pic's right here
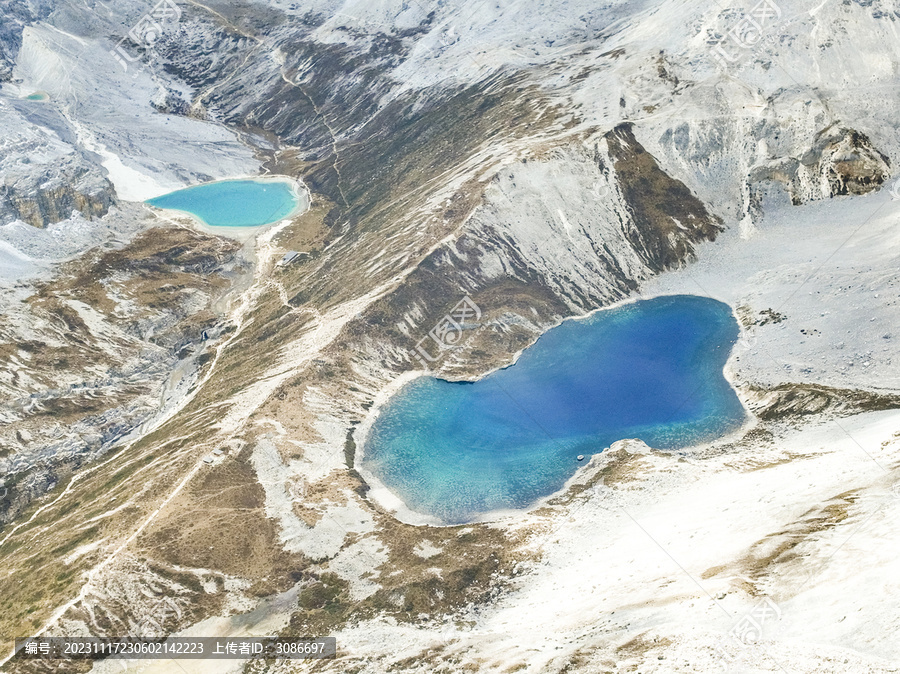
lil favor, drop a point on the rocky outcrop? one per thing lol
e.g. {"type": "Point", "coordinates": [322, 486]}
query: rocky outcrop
{"type": "Point", "coordinates": [44, 179]}
{"type": "Point", "coordinates": [849, 163]}
{"type": "Point", "coordinates": [43, 202]}
{"type": "Point", "coordinates": [790, 401]}
{"type": "Point", "coordinates": [169, 101]}
{"type": "Point", "coordinates": [840, 161]}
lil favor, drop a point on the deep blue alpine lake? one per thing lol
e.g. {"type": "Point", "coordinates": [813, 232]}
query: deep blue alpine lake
{"type": "Point", "coordinates": [652, 369]}
{"type": "Point", "coordinates": [233, 203]}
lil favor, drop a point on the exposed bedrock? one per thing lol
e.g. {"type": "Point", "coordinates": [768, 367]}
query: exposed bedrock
{"type": "Point", "coordinates": [666, 218]}
{"type": "Point", "coordinates": [792, 401]}
{"type": "Point", "coordinates": [43, 200]}
{"type": "Point", "coordinates": [840, 161]}
{"type": "Point", "coordinates": [795, 147]}
{"type": "Point", "coordinates": [43, 176]}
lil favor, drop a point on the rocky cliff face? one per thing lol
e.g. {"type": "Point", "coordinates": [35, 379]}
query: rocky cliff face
{"type": "Point", "coordinates": [840, 162]}
{"type": "Point", "coordinates": [667, 219]}
{"type": "Point", "coordinates": [16, 14]}
{"type": "Point", "coordinates": [44, 178]}
{"type": "Point", "coordinates": [43, 200]}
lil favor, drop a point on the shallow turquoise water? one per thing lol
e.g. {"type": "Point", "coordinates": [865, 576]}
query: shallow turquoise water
{"type": "Point", "coordinates": [37, 96]}
{"type": "Point", "coordinates": [650, 370]}
{"type": "Point", "coordinates": [233, 203]}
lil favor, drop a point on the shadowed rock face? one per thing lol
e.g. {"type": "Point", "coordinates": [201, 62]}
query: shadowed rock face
{"type": "Point", "coordinates": [667, 219]}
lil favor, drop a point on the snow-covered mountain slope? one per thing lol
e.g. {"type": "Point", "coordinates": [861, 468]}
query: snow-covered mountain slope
{"type": "Point", "coordinates": [116, 338]}
{"type": "Point", "coordinates": [543, 159]}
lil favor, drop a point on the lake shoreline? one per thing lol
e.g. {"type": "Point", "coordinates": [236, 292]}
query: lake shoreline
{"type": "Point", "coordinates": [299, 193]}
{"type": "Point", "coordinates": [391, 502]}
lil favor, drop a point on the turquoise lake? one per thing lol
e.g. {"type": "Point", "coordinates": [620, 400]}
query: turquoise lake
{"type": "Point", "coordinates": [233, 203]}
{"type": "Point", "coordinates": [652, 369]}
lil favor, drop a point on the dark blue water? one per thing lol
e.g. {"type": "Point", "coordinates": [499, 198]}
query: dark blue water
{"type": "Point", "coordinates": [650, 370]}
{"type": "Point", "coordinates": [233, 203]}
